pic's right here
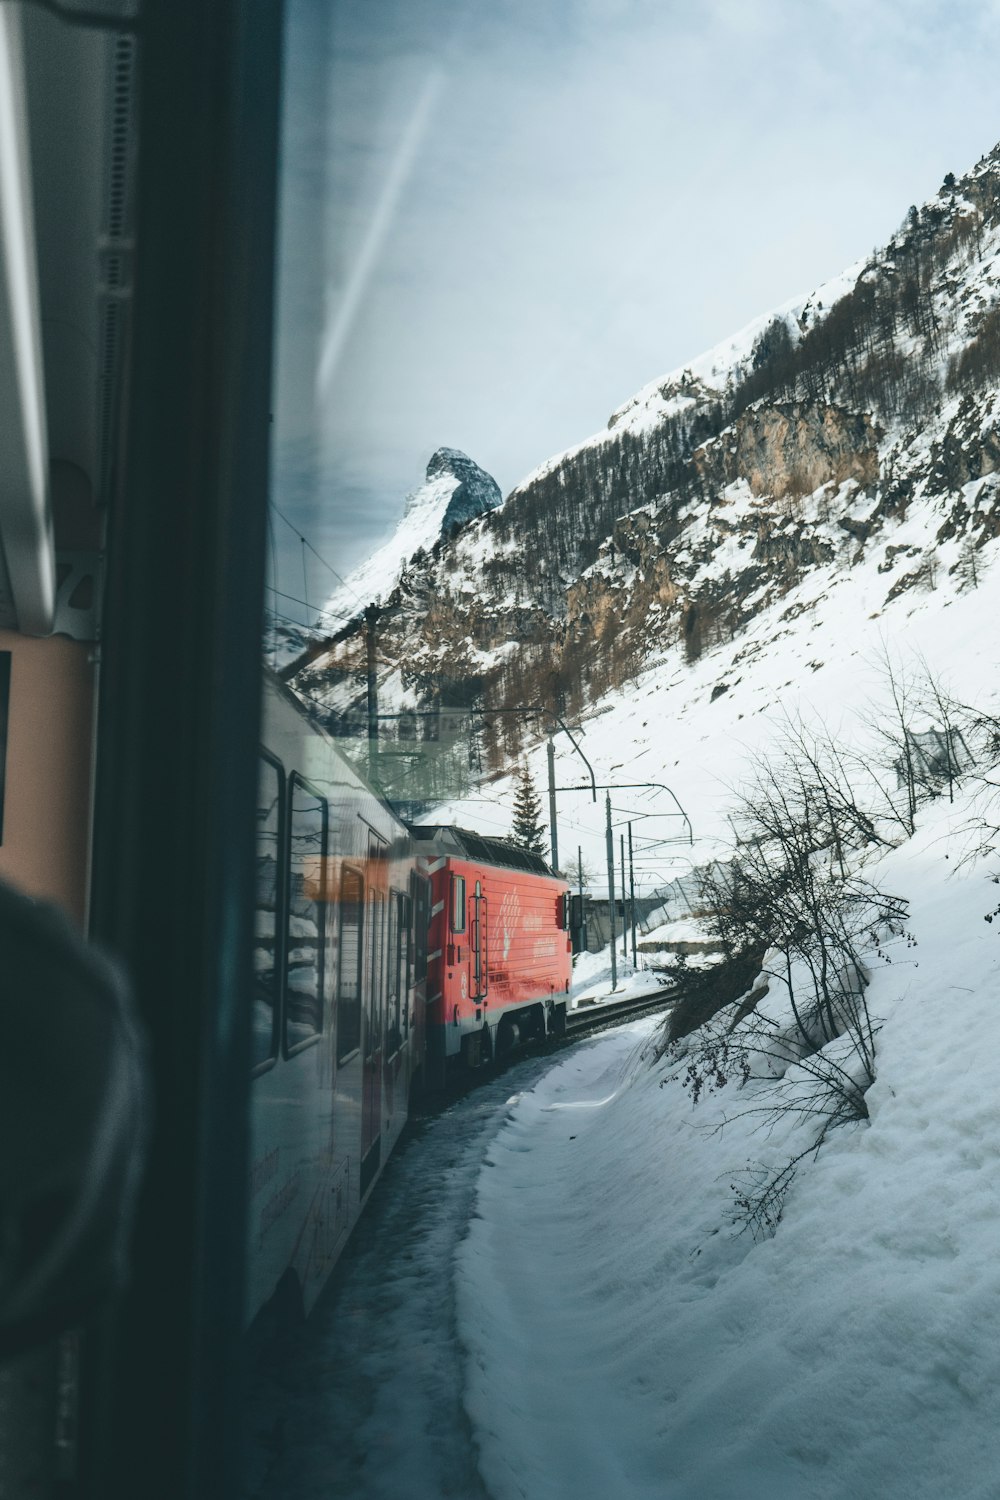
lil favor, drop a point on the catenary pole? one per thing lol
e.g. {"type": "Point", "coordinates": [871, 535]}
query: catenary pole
{"type": "Point", "coordinates": [550, 750]}
{"type": "Point", "coordinates": [371, 641]}
{"type": "Point", "coordinates": [582, 934]}
{"type": "Point", "coordinates": [631, 887]}
{"type": "Point", "coordinates": [611, 893]}
{"type": "Point", "coordinates": [621, 842]}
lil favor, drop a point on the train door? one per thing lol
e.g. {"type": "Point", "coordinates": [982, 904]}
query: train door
{"type": "Point", "coordinates": [374, 1017]}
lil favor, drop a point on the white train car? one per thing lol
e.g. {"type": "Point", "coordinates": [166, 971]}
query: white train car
{"type": "Point", "coordinates": [338, 1010]}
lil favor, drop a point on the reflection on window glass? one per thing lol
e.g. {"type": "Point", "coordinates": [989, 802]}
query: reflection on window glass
{"type": "Point", "coordinates": [349, 952]}
{"type": "Point", "coordinates": [266, 913]}
{"type": "Point", "coordinates": [306, 915]}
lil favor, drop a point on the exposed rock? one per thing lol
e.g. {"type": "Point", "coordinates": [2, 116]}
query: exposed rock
{"type": "Point", "coordinates": [793, 449]}
{"type": "Point", "coordinates": [477, 491]}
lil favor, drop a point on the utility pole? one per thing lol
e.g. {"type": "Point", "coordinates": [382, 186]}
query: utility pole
{"type": "Point", "coordinates": [553, 832]}
{"type": "Point", "coordinates": [624, 906]}
{"type": "Point", "coordinates": [631, 887]}
{"type": "Point", "coordinates": [582, 935]}
{"type": "Point", "coordinates": [611, 893]}
{"type": "Point", "coordinates": [371, 640]}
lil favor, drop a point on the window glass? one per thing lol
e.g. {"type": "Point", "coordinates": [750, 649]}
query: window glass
{"type": "Point", "coordinates": [458, 903]}
{"type": "Point", "coordinates": [306, 915]}
{"type": "Point", "coordinates": [265, 999]}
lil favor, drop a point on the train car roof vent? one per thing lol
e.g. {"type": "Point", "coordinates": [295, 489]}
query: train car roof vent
{"type": "Point", "coordinates": [446, 838]}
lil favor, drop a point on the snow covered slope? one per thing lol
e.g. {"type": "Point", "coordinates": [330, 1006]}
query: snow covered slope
{"type": "Point", "coordinates": [854, 1352]}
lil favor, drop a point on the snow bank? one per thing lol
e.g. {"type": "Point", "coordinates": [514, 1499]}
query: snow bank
{"type": "Point", "coordinates": [625, 1341]}
{"type": "Point", "coordinates": [592, 978]}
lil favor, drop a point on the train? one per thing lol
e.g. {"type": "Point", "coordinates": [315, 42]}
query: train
{"type": "Point", "coordinates": [387, 957]}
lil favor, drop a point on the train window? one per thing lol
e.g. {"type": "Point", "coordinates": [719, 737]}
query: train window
{"type": "Point", "coordinates": [349, 956]}
{"type": "Point", "coordinates": [266, 925]}
{"type": "Point", "coordinates": [307, 850]}
{"type": "Point", "coordinates": [458, 903]}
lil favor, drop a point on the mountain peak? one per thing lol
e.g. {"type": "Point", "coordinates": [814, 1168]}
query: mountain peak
{"type": "Point", "coordinates": [475, 492]}
{"type": "Point", "coordinates": [455, 491]}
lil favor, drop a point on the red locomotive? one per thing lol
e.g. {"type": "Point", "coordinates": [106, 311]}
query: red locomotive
{"type": "Point", "coordinates": [499, 952]}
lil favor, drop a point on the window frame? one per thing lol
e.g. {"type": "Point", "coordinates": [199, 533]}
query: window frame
{"type": "Point", "coordinates": [267, 1063]}
{"type": "Point", "coordinates": [296, 779]}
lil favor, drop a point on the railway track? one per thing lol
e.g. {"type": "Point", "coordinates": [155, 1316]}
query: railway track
{"type": "Point", "coordinates": [590, 1017]}
{"type": "Point", "coordinates": [578, 1024]}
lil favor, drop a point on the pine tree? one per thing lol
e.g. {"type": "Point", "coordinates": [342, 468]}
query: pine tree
{"type": "Point", "coordinates": [527, 829]}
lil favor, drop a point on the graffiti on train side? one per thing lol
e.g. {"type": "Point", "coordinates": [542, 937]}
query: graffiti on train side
{"type": "Point", "coordinates": [510, 911]}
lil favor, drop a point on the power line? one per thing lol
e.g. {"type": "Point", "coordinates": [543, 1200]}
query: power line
{"type": "Point", "coordinates": [334, 614]}
{"type": "Point", "coordinates": [318, 555]}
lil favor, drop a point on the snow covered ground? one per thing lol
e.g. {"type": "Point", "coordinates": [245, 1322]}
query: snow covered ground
{"type": "Point", "coordinates": [625, 1339]}
{"type": "Point", "coordinates": [816, 654]}
{"type": "Point", "coordinates": [555, 1297]}
{"type": "Point", "coordinates": [592, 979]}
{"type": "Point", "coordinates": [366, 1401]}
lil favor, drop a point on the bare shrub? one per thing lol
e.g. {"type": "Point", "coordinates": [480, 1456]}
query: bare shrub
{"type": "Point", "coordinates": [795, 895]}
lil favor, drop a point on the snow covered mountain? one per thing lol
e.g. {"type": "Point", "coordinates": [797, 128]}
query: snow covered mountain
{"type": "Point", "coordinates": [850, 440]}
{"type": "Point", "coordinates": [455, 491]}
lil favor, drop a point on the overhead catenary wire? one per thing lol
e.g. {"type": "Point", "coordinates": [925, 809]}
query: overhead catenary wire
{"type": "Point", "coordinates": [306, 543]}
{"type": "Point", "coordinates": [320, 613]}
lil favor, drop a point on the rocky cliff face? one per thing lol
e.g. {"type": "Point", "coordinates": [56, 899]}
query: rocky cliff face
{"type": "Point", "coordinates": [865, 420]}
{"type": "Point", "coordinates": [793, 449]}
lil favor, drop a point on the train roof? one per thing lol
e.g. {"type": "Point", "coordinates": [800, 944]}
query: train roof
{"type": "Point", "coordinates": [443, 838]}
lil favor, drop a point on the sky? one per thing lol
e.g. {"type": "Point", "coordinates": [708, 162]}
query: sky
{"type": "Point", "coordinates": [501, 218]}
